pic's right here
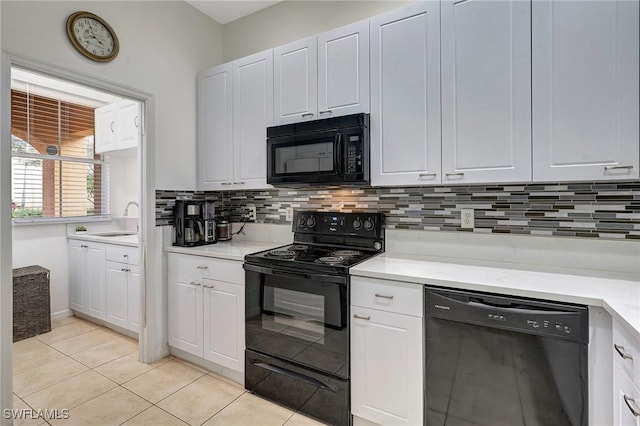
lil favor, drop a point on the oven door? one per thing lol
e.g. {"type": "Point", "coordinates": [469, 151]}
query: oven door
{"type": "Point", "coordinates": [305, 159]}
{"type": "Point", "coordinates": [298, 317]}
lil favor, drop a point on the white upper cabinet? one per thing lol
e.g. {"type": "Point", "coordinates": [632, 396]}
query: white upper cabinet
{"type": "Point", "coordinates": [215, 149]}
{"type": "Point", "coordinates": [323, 76]}
{"type": "Point", "coordinates": [343, 71]}
{"type": "Point", "coordinates": [117, 126]}
{"type": "Point", "coordinates": [585, 90]}
{"type": "Point", "coordinates": [405, 96]}
{"type": "Point", "coordinates": [486, 91]}
{"type": "Point", "coordinates": [252, 114]}
{"type": "Point", "coordinates": [296, 81]}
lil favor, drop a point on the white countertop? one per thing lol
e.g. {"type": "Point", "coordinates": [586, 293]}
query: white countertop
{"type": "Point", "coordinates": [621, 298]}
{"type": "Point", "coordinates": [232, 249]}
{"type": "Point", "coordinates": [123, 240]}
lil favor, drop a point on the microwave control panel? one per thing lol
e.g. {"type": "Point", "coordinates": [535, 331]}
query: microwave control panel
{"type": "Point", "coordinates": [354, 153]}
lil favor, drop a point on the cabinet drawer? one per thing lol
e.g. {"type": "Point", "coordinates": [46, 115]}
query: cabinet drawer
{"type": "Point", "coordinates": [386, 295]}
{"type": "Point", "coordinates": [220, 269]}
{"type": "Point", "coordinates": [626, 352]}
{"type": "Point", "coordinates": [626, 399]}
{"type": "Point", "coordinates": [124, 254]}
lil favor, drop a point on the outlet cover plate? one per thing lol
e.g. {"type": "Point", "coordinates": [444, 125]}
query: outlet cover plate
{"type": "Point", "coordinates": [467, 218]}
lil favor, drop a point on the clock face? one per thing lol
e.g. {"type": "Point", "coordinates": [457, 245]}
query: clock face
{"type": "Point", "coordinates": [92, 36]}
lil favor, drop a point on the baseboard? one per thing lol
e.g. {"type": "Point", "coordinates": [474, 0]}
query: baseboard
{"type": "Point", "coordinates": [230, 374]}
{"type": "Point", "coordinates": [61, 314]}
{"type": "Point", "coordinates": [106, 324]}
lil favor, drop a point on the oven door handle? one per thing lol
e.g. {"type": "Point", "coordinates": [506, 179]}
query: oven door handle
{"type": "Point", "coordinates": [316, 277]}
{"type": "Point", "coordinates": [293, 375]}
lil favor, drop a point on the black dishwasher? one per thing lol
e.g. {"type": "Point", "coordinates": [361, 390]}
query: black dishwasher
{"type": "Point", "coordinates": [500, 360]}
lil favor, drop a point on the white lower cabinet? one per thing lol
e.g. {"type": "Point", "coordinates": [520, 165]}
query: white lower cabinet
{"type": "Point", "coordinates": [206, 308]}
{"type": "Point", "coordinates": [104, 282]}
{"type": "Point", "coordinates": [386, 352]}
{"type": "Point", "coordinates": [87, 278]}
{"type": "Point", "coordinates": [626, 377]}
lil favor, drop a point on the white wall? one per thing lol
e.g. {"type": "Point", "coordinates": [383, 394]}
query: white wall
{"type": "Point", "coordinates": [45, 245]}
{"type": "Point", "coordinates": [163, 44]}
{"type": "Point", "coordinates": [124, 182]}
{"type": "Point", "coordinates": [292, 20]}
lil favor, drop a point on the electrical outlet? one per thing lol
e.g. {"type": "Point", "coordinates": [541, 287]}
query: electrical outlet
{"type": "Point", "coordinates": [251, 213]}
{"type": "Point", "coordinates": [289, 214]}
{"type": "Point", "coordinates": [467, 218]}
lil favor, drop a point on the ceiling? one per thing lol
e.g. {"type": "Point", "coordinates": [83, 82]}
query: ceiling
{"type": "Point", "coordinates": [227, 11]}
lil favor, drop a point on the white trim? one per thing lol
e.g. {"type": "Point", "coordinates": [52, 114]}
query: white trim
{"type": "Point", "coordinates": [61, 314]}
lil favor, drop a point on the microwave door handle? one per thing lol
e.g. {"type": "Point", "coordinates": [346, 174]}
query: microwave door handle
{"type": "Point", "coordinates": [338, 152]}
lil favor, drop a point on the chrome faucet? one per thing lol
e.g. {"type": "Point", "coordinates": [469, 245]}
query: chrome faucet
{"type": "Point", "coordinates": [126, 209]}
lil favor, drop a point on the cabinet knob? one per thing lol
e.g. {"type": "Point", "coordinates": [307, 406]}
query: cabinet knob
{"type": "Point", "coordinates": [307, 114]}
{"type": "Point", "coordinates": [361, 317]}
{"type": "Point", "coordinates": [622, 352]}
{"type": "Point", "coordinates": [125, 255]}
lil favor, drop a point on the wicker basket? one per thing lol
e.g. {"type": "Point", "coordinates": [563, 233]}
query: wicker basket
{"type": "Point", "coordinates": [31, 305]}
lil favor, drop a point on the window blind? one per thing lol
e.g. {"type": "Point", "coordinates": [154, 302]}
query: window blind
{"type": "Point", "coordinates": [55, 170]}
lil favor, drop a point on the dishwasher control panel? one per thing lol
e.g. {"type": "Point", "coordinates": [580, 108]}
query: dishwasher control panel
{"type": "Point", "coordinates": [514, 314]}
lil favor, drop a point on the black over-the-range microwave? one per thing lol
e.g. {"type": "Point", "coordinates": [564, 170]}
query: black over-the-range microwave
{"type": "Point", "coordinates": [333, 151]}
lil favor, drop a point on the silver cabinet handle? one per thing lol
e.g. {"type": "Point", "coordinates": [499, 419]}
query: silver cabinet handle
{"type": "Point", "coordinates": [239, 183]}
{"type": "Point", "coordinates": [629, 401]}
{"type": "Point", "coordinates": [125, 270]}
{"type": "Point", "coordinates": [427, 174]}
{"type": "Point", "coordinates": [326, 112]}
{"type": "Point", "coordinates": [622, 352]}
{"type": "Point", "coordinates": [629, 166]}
{"type": "Point", "coordinates": [208, 286]}
{"type": "Point", "coordinates": [136, 121]}
{"type": "Point", "coordinates": [125, 255]}
{"type": "Point", "coordinates": [454, 174]}
{"type": "Point", "coordinates": [195, 284]}
{"type": "Point", "coordinates": [362, 318]}
{"type": "Point", "coordinates": [84, 246]}
{"type": "Point", "coordinates": [202, 267]}
{"type": "Point", "coordinates": [307, 114]}
{"type": "Point", "coordinates": [384, 296]}
{"type": "Point", "coordinates": [111, 126]}
{"type": "Point", "coordinates": [225, 183]}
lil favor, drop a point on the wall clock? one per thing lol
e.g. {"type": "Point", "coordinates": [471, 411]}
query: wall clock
{"type": "Point", "coordinates": [92, 36]}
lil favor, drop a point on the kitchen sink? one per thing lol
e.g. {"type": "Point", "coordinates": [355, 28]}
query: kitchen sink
{"type": "Point", "coordinates": [114, 234]}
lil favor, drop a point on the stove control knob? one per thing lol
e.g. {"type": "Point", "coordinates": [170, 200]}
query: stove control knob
{"type": "Point", "coordinates": [357, 224]}
{"type": "Point", "coordinates": [368, 224]}
{"type": "Point", "coordinates": [311, 222]}
{"type": "Point", "coordinates": [301, 221]}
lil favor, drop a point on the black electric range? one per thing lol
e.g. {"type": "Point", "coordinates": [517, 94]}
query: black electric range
{"type": "Point", "coordinates": [297, 312]}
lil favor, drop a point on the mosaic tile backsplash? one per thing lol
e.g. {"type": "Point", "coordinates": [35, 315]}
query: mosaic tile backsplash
{"type": "Point", "coordinates": [586, 209]}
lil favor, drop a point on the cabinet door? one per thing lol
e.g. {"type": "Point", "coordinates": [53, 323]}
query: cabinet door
{"type": "Point", "coordinates": [77, 274]}
{"type": "Point", "coordinates": [95, 280]}
{"type": "Point", "coordinates": [224, 324]}
{"type": "Point", "coordinates": [386, 385]}
{"type": "Point", "coordinates": [296, 80]}
{"type": "Point", "coordinates": [215, 152]}
{"type": "Point", "coordinates": [626, 399]}
{"type": "Point", "coordinates": [185, 313]}
{"type": "Point", "coordinates": [252, 114]}
{"type": "Point", "coordinates": [105, 128]}
{"type": "Point", "coordinates": [405, 96]}
{"type": "Point", "coordinates": [128, 118]}
{"type": "Point", "coordinates": [116, 293]}
{"type": "Point", "coordinates": [486, 91]}
{"type": "Point", "coordinates": [343, 71]}
{"type": "Point", "coordinates": [133, 299]}
{"type": "Point", "coordinates": [585, 90]}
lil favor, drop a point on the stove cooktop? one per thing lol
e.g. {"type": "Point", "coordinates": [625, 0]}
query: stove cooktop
{"type": "Point", "coordinates": [315, 254]}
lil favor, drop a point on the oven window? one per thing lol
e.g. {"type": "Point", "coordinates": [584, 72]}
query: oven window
{"type": "Point", "coordinates": [295, 313]}
{"type": "Point", "coordinates": [304, 158]}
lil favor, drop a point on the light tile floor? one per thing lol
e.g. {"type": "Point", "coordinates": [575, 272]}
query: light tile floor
{"type": "Point", "coordinates": [94, 373]}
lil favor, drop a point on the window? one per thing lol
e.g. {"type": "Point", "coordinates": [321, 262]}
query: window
{"type": "Point", "coordinates": [55, 171]}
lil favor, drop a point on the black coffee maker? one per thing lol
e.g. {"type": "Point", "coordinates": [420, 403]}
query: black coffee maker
{"type": "Point", "coordinates": [189, 223]}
